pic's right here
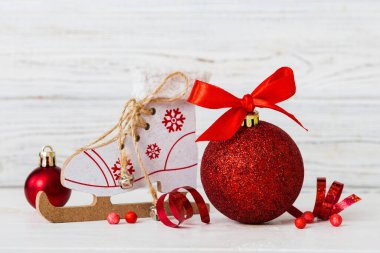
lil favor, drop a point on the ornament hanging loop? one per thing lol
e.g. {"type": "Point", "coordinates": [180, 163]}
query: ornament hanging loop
{"type": "Point", "coordinates": [47, 156]}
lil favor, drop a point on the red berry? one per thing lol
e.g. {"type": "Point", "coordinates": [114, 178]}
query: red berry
{"type": "Point", "coordinates": [300, 222]}
{"type": "Point", "coordinates": [113, 218]}
{"type": "Point", "coordinates": [131, 217]}
{"type": "Point", "coordinates": [336, 220]}
{"type": "Point", "coordinates": [308, 216]}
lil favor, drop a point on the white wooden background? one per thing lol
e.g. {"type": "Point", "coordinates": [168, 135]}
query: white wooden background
{"type": "Point", "coordinates": [65, 71]}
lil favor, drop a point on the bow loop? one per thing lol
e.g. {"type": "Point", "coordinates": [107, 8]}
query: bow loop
{"type": "Point", "coordinates": [210, 96]}
{"type": "Point", "coordinates": [276, 88]}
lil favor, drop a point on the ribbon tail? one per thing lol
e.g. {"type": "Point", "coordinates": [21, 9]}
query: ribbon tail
{"type": "Point", "coordinates": [294, 211]}
{"type": "Point", "coordinates": [225, 127]}
{"type": "Point", "coordinates": [339, 207]}
{"type": "Point", "coordinates": [263, 104]}
{"type": "Point", "coordinates": [201, 204]}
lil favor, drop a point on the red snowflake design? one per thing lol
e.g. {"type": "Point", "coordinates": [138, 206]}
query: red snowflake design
{"type": "Point", "coordinates": [116, 169]}
{"type": "Point", "coordinates": [173, 120]}
{"type": "Point", "coordinates": [153, 151]}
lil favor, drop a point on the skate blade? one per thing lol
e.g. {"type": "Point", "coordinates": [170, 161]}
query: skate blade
{"type": "Point", "coordinates": [98, 210]}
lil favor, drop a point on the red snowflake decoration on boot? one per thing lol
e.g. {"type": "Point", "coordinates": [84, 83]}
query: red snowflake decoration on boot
{"type": "Point", "coordinates": [116, 169]}
{"type": "Point", "coordinates": [153, 151]}
{"type": "Point", "coordinates": [173, 120]}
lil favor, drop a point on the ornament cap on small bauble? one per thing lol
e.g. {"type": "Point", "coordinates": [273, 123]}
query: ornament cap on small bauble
{"type": "Point", "coordinates": [47, 156]}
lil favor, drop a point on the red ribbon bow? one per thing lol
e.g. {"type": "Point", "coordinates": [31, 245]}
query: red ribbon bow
{"type": "Point", "coordinates": [276, 88]}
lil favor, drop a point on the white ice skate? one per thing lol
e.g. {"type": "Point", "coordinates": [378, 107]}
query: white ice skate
{"type": "Point", "coordinates": [168, 152]}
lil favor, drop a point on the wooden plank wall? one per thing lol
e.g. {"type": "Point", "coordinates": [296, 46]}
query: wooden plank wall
{"type": "Point", "coordinates": [66, 68]}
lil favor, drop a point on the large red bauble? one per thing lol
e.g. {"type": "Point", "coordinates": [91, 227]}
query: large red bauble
{"type": "Point", "coordinates": [46, 179]}
{"type": "Point", "coordinates": [255, 176]}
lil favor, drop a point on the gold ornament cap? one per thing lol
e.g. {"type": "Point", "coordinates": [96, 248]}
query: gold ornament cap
{"type": "Point", "coordinates": [252, 119]}
{"type": "Point", "coordinates": [47, 156]}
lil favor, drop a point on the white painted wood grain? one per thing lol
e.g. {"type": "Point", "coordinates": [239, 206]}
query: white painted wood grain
{"type": "Point", "coordinates": [66, 68]}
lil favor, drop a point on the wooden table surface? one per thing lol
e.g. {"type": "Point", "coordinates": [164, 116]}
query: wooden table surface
{"type": "Point", "coordinates": [23, 229]}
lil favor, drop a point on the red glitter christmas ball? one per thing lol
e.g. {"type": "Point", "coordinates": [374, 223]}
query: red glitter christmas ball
{"type": "Point", "coordinates": [255, 176]}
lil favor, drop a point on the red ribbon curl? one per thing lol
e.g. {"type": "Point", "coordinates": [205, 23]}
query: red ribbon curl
{"type": "Point", "coordinates": [327, 205]}
{"type": "Point", "coordinates": [276, 88]}
{"type": "Point", "coordinates": [181, 207]}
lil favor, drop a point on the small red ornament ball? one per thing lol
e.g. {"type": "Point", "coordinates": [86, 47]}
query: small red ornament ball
{"type": "Point", "coordinates": [113, 218]}
{"type": "Point", "coordinates": [46, 179]}
{"type": "Point", "coordinates": [255, 176]}
{"type": "Point", "coordinates": [336, 220]}
{"type": "Point", "coordinates": [308, 216]}
{"type": "Point", "coordinates": [130, 217]}
{"type": "Point", "coordinates": [300, 223]}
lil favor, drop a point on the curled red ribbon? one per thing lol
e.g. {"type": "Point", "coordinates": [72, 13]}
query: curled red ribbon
{"type": "Point", "coordinates": [276, 88]}
{"type": "Point", "coordinates": [327, 205]}
{"type": "Point", "coordinates": [181, 207]}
